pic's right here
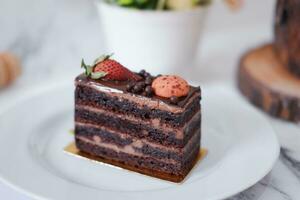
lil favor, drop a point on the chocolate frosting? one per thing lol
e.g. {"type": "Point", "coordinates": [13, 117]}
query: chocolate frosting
{"type": "Point", "coordinates": [121, 86]}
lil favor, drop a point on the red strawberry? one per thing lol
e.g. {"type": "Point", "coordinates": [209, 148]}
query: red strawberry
{"type": "Point", "coordinates": [115, 71]}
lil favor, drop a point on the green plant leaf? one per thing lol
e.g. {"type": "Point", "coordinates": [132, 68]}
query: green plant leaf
{"type": "Point", "coordinates": [202, 2]}
{"type": "Point", "coordinates": [88, 68]}
{"type": "Point", "coordinates": [102, 58]}
{"type": "Point", "coordinates": [161, 4]}
{"type": "Point", "coordinates": [125, 2]}
{"type": "Point", "coordinates": [152, 4]}
{"type": "Point", "coordinates": [98, 75]}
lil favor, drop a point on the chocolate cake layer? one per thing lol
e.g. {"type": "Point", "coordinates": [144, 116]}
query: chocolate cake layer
{"type": "Point", "coordinates": [287, 34]}
{"type": "Point", "coordinates": [150, 163]}
{"type": "Point", "coordinates": [113, 102]}
{"type": "Point", "coordinates": [264, 80]}
{"type": "Point", "coordinates": [159, 133]}
{"type": "Point", "coordinates": [124, 142]}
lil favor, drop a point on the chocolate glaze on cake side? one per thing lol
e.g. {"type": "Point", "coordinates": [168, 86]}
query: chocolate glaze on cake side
{"type": "Point", "coordinates": [287, 34]}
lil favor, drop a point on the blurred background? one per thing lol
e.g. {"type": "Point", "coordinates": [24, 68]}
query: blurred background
{"type": "Point", "coordinates": [50, 37]}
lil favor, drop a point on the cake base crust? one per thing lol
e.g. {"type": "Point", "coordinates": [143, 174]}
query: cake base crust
{"type": "Point", "coordinates": [72, 149]}
{"type": "Point", "coordinates": [267, 83]}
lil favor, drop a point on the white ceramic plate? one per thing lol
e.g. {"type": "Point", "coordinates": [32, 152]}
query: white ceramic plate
{"type": "Point", "coordinates": [242, 149]}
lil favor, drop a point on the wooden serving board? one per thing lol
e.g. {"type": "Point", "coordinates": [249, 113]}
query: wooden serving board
{"type": "Point", "coordinates": [268, 84]}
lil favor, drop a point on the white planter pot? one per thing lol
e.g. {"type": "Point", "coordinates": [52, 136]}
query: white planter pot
{"type": "Point", "coordinates": [162, 42]}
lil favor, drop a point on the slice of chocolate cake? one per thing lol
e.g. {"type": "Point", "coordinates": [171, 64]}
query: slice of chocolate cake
{"type": "Point", "coordinates": [150, 124]}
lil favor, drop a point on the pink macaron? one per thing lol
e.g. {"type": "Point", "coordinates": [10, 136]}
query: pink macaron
{"type": "Point", "coordinates": [170, 85]}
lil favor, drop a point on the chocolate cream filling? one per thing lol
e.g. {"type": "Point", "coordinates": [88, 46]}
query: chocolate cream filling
{"type": "Point", "coordinates": [147, 165]}
{"type": "Point", "coordinates": [135, 147]}
{"type": "Point", "coordinates": [179, 132]}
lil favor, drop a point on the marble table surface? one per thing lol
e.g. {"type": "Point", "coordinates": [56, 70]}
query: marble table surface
{"type": "Point", "coordinates": [51, 37]}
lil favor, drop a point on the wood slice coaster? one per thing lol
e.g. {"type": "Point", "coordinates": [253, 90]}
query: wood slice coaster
{"type": "Point", "coordinates": [268, 84]}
